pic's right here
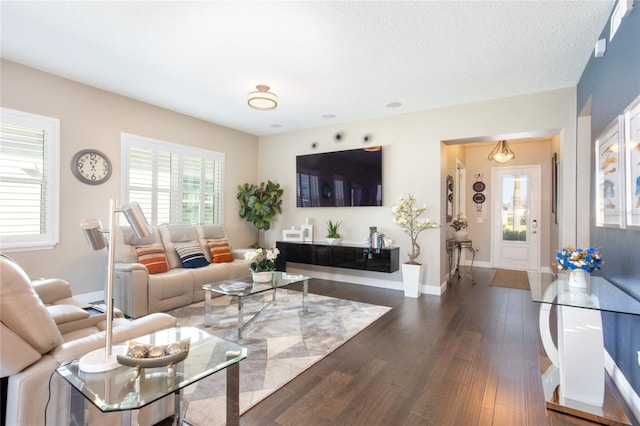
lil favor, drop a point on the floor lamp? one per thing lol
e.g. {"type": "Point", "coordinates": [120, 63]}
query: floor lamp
{"type": "Point", "coordinates": [103, 359]}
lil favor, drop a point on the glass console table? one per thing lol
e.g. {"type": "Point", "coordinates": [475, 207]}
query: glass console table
{"type": "Point", "coordinates": [574, 383]}
{"type": "Point", "coordinates": [127, 389]}
{"type": "Point", "coordinates": [453, 244]}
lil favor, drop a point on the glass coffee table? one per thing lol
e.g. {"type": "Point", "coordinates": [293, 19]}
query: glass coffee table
{"type": "Point", "coordinates": [244, 287]}
{"type": "Point", "coordinates": [127, 389]}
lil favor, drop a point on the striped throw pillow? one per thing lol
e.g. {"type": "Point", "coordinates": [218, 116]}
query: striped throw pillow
{"type": "Point", "coordinates": [191, 255]}
{"type": "Point", "coordinates": [220, 251]}
{"type": "Point", "coordinates": [153, 257]}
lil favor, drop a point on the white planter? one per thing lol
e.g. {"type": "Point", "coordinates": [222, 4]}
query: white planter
{"type": "Point", "coordinates": [333, 241]}
{"type": "Point", "coordinates": [262, 277]}
{"type": "Point", "coordinates": [412, 279]}
{"type": "Point", "coordinates": [578, 278]}
{"type": "Point", "coordinates": [461, 235]}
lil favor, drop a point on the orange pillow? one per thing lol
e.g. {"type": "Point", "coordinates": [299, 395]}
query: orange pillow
{"type": "Point", "coordinates": [220, 251]}
{"type": "Point", "coordinates": [153, 257]}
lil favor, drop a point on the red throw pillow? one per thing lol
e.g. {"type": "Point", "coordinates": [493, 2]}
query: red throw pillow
{"type": "Point", "coordinates": [153, 257]}
{"type": "Point", "coordinates": [220, 251]}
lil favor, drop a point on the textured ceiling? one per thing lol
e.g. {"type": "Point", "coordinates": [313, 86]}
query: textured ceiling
{"type": "Point", "coordinates": [349, 59]}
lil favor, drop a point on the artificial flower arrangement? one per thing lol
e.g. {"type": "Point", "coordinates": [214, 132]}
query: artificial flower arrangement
{"type": "Point", "coordinates": [572, 258]}
{"type": "Point", "coordinates": [459, 222]}
{"type": "Point", "coordinates": [407, 215]}
{"type": "Point", "coordinates": [262, 260]}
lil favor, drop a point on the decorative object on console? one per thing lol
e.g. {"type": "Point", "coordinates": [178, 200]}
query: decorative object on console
{"type": "Point", "coordinates": [578, 262]}
{"type": "Point", "coordinates": [459, 225]}
{"type": "Point", "coordinates": [262, 98]}
{"type": "Point", "coordinates": [502, 153]}
{"type": "Point", "coordinates": [293, 235]}
{"type": "Point", "coordinates": [263, 263]}
{"type": "Point", "coordinates": [103, 359]}
{"type": "Point", "coordinates": [333, 234]}
{"type": "Point", "coordinates": [407, 215]}
{"type": "Point", "coordinates": [260, 203]}
{"type": "Point", "coordinates": [307, 231]}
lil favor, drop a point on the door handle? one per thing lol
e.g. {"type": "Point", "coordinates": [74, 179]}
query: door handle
{"type": "Point", "coordinates": [534, 224]}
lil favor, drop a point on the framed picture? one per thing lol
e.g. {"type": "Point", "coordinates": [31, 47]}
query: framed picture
{"type": "Point", "coordinates": [449, 200]}
{"type": "Point", "coordinates": [609, 150]}
{"type": "Point", "coordinates": [554, 186]}
{"type": "Point", "coordinates": [632, 156]}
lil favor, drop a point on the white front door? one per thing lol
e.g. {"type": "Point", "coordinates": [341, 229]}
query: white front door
{"type": "Point", "coordinates": [516, 217]}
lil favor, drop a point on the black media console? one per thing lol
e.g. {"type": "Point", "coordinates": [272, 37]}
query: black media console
{"type": "Point", "coordinates": [338, 256]}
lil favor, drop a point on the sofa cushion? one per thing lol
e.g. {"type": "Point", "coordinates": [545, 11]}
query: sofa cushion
{"type": "Point", "coordinates": [191, 255]}
{"type": "Point", "coordinates": [153, 257]}
{"type": "Point", "coordinates": [22, 311]}
{"type": "Point", "coordinates": [220, 250]}
{"type": "Point", "coordinates": [172, 234]}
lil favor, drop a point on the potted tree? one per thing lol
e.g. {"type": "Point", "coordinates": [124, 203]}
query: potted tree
{"type": "Point", "coordinates": [407, 215]}
{"type": "Point", "coordinates": [333, 232]}
{"type": "Point", "coordinates": [260, 203]}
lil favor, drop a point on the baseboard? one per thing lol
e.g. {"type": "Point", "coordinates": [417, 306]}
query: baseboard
{"type": "Point", "coordinates": [624, 387]}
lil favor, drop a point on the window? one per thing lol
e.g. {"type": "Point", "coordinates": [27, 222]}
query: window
{"type": "Point", "coordinates": [29, 181]}
{"type": "Point", "coordinates": [171, 182]}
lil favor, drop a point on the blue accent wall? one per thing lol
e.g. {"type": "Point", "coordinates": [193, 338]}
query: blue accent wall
{"type": "Point", "coordinates": [612, 82]}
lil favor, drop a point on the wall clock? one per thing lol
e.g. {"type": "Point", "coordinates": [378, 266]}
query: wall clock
{"type": "Point", "coordinates": [91, 166]}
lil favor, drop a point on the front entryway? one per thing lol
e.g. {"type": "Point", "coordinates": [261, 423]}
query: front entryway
{"type": "Point", "coordinates": [515, 242]}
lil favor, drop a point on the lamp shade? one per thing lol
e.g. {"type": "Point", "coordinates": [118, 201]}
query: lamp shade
{"type": "Point", "coordinates": [502, 153]}
{"type": "Point", "coordinates": [92, 229]}
{"type": "Point", "coordinates": [262, 98]}
{"type": "Point", "coordinates": [136, 219]}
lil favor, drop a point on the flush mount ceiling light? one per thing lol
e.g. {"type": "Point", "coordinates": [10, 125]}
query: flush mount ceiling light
{"type": "Point", "coordinates": [262, 98]}
{"type": "Point", "coordinates": [502, 153]}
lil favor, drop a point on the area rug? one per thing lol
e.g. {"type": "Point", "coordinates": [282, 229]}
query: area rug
{"type": "Point", "coordinates": [511, 279]}
{"type": "Point", "coordinates": [282, 342]}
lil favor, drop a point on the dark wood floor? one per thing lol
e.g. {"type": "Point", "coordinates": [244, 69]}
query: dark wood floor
{"type": "Point", "coordinates": [469, 357]}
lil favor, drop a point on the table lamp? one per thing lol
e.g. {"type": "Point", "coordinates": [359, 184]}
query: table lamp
{"type": "Point", "coordinates": [103, 359]}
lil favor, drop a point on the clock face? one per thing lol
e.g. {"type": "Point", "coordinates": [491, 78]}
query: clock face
{"type": "Point", "coordinates": [91, 166]}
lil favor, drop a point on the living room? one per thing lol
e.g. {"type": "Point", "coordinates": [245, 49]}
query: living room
{"type": "Point", "coordinates": [419, 152]}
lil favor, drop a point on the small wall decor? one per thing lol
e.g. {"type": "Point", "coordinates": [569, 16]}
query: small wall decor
{"type": "Point", "coordinates": [479, 187]}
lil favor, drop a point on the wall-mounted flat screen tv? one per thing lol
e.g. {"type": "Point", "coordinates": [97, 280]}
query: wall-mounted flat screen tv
{"type": "Point", "coordinates": [340, 179]}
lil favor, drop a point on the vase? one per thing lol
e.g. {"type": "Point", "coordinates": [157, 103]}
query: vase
{"type": "Point", "coordinates": [333, 241]}
{"type": "Point", "coordinates": [412, 279]}
{"type": "Point", "coordinates": [461, 235]}
{"type": "Point", "coordinates": [578, 278]}
{"type": "Point", "coordinates": [262, 277]}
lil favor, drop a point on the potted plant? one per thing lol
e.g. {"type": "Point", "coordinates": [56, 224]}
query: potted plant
{"type": "Point", "coordinates": [260, 203]}
{"type": "Point", "coordinates": [579, 262]}
{"type": "Point", "coordinates": [459, 225]}
{"type": "Point", "coordinates": [262, 263]}
{"type": "Point", "coordinates": [333, 232]}
{"type": "Point", "coordinates": [407, 215]}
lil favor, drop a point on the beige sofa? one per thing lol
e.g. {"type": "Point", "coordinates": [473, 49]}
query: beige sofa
{"type": "Point", "coordinates": [138, 292]}
{"type": "Point", "coordinates": [42, 326]}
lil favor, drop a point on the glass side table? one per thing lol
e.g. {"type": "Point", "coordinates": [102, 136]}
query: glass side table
{"type": "Point", "coordinates": [574, 383]}
{"type": "Point", "coordinates": [453, 244]}
{"type": "Point", "coordinates": [127, 389]}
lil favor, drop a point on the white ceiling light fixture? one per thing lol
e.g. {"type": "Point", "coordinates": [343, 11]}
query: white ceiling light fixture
{"type": "Point", "coordinates": [262, 98]}
{"type": "Point", "coordinates": [502, 153]}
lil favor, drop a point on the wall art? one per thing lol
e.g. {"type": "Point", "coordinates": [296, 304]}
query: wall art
{"type": "Point", "coordinates": [609, 172]}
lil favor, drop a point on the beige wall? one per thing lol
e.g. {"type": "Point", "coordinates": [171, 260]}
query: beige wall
{"type": "Point", "coordinates": [415, 161]}
{"type": "Point", "coordinates": [93, 118]}
{"type": "Point", "coordinates": [413, 156]}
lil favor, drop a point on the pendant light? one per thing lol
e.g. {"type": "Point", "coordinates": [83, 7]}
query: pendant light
{"type": "Point", "coordinates": [502, 153]}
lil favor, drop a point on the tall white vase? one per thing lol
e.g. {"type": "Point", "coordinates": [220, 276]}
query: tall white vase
{"type": "Point", "coordinates": [412, 279]}
{"type": "Point", "coordinates": [578, 278]}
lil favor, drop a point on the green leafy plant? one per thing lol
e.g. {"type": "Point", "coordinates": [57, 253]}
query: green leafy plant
{"type": "Point", "coordinates": [333, 229]}
{"type": "Point", "coordinates": [260, 203]}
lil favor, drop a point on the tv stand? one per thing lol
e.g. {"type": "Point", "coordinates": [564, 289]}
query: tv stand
{"type": "Point", "coordinates": [338, 256]}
